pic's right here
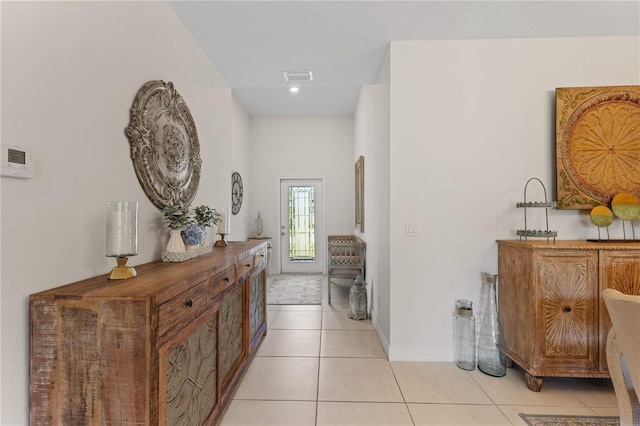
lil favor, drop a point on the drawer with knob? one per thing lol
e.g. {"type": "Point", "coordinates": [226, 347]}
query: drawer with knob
{"type": "Point", "coordinates": [222, 281]}
{"type": "Point", "coordinates": [260, 257]}
{"type": "Point", "coordinates": [182, 307]}
{"type": "Point", "coordinates": [243, 266]}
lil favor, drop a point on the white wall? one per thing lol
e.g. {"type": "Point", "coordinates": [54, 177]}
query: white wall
{"type": "Point", "coordinates": [70, 71]}
{"type": "Point", "coordinates": [471, 121]}
{"type": "Point", "coordinates": [371, 136]}
{"type": "Point", "coordinates": [302, 147]}
{"type": "Point", "coordinates": [240, 159]}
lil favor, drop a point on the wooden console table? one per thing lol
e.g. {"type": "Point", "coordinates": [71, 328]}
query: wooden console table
{"type": "Point", "coordinates": [167, 347]}
{"type": "Point", "coordinates": [551, 311]}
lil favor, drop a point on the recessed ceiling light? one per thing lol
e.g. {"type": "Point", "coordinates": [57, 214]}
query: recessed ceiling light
{"type": "Point", "coordinates": [298, 75]}
{"type": "Point", "coordinates": [294, 89]}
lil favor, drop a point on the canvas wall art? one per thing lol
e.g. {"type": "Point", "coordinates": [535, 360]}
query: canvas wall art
{"type": "Point", "coordinates": [597, 144]}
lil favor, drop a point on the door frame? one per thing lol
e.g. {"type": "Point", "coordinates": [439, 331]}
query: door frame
{"type": "Point", "coordinates": [320, 223]}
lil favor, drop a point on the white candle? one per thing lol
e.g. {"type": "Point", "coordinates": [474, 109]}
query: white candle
{"type": "Point", "coordinates": [122, 228]}
{"type": "Point", "coordinates": [222, 224]}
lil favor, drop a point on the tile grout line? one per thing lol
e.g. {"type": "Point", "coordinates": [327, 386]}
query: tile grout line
{"type": "Point", "coordinates": [319, 351]}
{"type": "Point", "coordinates": [404, 399]}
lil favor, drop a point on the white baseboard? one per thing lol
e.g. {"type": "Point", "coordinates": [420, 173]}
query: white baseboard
{"type": "Point", "coordinates": [411, 353]}
{"type": "Point", "coordinates": [421, 353]}
{"type": "Point", "coordinates": [383, 338]}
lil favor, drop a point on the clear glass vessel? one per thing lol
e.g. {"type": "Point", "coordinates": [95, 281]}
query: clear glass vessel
{"type": "Point", "coordinates": [491, 358]}
{"type": "Point", "coordinates": [465, 335]}
{"type": "Point", "coordinates": [122, 237]}
{"type": "Point", "coordinates": [122, 229]}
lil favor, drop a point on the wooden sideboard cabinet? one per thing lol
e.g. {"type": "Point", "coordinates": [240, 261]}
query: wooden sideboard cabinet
{"type": "Point", "coordinates": [551, 311]}
{"type": "Point", "coordinates": [167, 347]}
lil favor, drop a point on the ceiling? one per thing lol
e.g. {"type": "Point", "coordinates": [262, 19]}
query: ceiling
{"type": "Point", "coordinates": [344, 42]}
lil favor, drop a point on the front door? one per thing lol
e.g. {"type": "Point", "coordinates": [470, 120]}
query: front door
{"type": "Point", "coordinates": [301, 226]}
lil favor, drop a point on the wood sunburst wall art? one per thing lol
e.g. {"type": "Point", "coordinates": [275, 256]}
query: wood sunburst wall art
{"type": "Point", "coordinates": [597, 144]}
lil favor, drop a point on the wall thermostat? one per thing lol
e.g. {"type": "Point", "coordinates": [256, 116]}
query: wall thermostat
{"type": "Point", "coordinates": [17, 162]}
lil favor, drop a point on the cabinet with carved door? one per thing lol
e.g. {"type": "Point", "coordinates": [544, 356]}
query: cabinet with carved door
{"type": "Point", "coordinates": [168, 347]}
{"type": "Point", "coordinates": [553, 318]}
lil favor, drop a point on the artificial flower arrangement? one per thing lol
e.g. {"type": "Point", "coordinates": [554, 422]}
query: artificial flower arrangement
{"type": "Point", "coordinates": [177, 217]}
{"type": "Point", "coordinates": [206, 216]}
{"type": "Point", "coordinates": [191, 222]}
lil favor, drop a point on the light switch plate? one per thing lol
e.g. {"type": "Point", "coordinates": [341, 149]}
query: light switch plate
{"type": "Point", "coordinates": [411, 229]}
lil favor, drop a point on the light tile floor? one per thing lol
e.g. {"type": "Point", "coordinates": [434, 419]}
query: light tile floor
{"type": "Point", "coordinates": [318, 367]}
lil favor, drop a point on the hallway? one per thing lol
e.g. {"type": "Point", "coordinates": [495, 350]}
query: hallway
{"type": "Point", "coordinates": [318, 367]}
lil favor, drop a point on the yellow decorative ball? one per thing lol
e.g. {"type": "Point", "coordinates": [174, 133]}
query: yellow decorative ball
{"type": "Point", "coordinates": [601, 216]}
{"type": "Point", "coordinates": [626, 206]}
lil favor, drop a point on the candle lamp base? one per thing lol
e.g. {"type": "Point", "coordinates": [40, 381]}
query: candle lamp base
{"type": "Point", "coordinates": [221, 242]}
{"type": "Point", "coordinates": [122, 271]}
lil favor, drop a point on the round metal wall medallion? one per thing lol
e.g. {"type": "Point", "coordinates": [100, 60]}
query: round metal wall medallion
{"type": "Point", "coordinates": [164, 145]}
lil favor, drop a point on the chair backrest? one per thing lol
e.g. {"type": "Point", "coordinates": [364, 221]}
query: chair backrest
{"type": "Point", "coordinates": [624, 311]}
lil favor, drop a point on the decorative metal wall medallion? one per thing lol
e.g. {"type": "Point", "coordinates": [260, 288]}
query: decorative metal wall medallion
{"type": "Point", "coordinates": [597, 144]}
{"type": "Point", "coordinates": [164, 145]}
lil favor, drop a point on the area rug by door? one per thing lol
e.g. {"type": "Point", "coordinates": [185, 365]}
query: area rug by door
{"type": "Point", "coordinates": [295, 291]}
{"type": "Point", "coordinates": [558, 420]}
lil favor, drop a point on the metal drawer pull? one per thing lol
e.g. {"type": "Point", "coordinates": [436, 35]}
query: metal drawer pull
{"type": "Point", "coordinates": [248, 265]}
{"type": "Point", "coordinates": [566, 309]}
{"type": "Point", "coordinates": [189, 303]}
{"type": "Point", "coordinates": [226, 279]}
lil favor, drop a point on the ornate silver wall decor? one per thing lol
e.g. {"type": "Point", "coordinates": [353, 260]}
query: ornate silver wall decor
{"type": "Point", "coordinates": [164, 145]}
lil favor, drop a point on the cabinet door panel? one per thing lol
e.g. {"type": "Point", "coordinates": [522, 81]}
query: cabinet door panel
{"type": "Point", "coordinates": [567, 300]}
{"type": "Point", "coordinates": [257, 302]}
{"type": "Point", "coordinates": [188, 381]}
{"type": "Point", "coordinates": [232, 349]}
{"type": "Point", "coordinates": [619, 270]}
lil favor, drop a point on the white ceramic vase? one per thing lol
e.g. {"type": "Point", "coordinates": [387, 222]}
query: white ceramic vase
{"type": "Point", "coordinates": [175, 244]}
{"type": "Point", "coordinates": [207, 237]}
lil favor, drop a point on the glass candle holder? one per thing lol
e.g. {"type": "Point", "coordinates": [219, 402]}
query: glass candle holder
{"type": "Point", "coordinates": [223, 226]}
{"type": "Point", "coordinates": [122, 236]}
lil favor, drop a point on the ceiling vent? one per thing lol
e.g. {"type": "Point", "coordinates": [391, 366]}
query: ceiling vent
{"type": "Point", "coordinates": [298, 75]}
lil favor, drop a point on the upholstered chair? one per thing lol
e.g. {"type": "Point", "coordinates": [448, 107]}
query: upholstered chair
{"type": "Point", "coordinates": [623, 353]}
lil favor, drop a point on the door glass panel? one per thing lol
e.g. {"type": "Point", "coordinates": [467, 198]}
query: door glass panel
{"type": "Point", "coordinates": [301, 224]}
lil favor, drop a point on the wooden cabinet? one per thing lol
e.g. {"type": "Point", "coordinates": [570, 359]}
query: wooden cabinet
{"type": "Point", "coordinates": [551, 312]}
{"type": "Point", "coordinates": [167, 347]}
